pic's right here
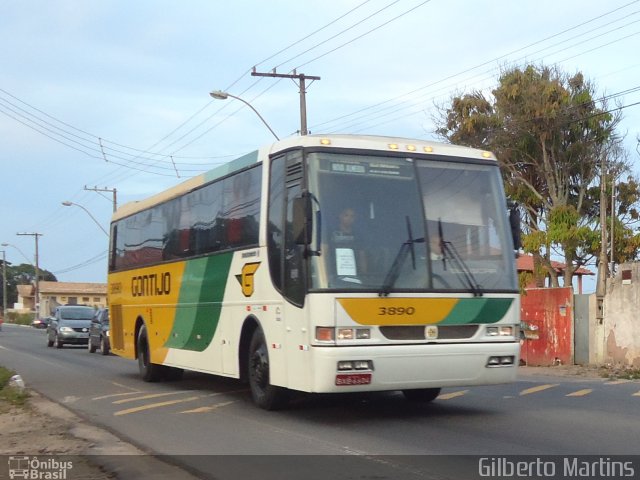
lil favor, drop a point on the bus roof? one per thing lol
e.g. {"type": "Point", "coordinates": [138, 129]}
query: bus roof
{"type": "Point", "coordinates": [362, 142]}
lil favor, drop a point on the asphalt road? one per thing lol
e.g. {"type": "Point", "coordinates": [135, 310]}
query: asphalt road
{"type": "Point", "coordinates": [201, 416]}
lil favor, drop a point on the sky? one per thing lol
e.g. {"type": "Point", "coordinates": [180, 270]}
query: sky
{"type": "Point", "coordinates": [115, 94]}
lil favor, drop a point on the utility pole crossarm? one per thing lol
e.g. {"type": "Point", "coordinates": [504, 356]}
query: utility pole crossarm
{"type": "Point", "coordinates": [302, 78]}
{"type": "Point", "coordinates": [113, 191]}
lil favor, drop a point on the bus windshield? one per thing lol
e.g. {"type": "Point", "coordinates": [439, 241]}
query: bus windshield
{"type": "Point", "coordinates": [408, 224]}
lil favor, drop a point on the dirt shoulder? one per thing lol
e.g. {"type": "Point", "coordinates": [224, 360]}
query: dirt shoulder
{"type": "Point", "coordinates": [43, 428]}
{"type": "Point", "coordinates": [604, 372]}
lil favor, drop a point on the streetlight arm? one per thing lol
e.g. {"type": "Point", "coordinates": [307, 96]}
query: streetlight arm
{"type": "Point", "coordinates": [220, 95]}
{"type": "Point", "coordinates": [21, 252]}
{"type": "Point", "coordinates": [67, 203]}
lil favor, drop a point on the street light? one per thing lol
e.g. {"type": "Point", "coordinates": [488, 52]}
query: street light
{"type": "Point", "coordinates": [67, 203]}
{"type": "Point", "coordinates": [220, 95]}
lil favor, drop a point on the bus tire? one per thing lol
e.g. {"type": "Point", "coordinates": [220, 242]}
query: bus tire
{"type": "Point", "coordinates": [421, 395]}
{"type": "Point", "coordinates": [265, 395]}
{"type": "Point", "coordinates": [150, 372]}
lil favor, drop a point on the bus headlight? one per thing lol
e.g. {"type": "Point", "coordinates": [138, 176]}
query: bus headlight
{"type": "Point", "coordinates": [501, 331]}
{"type": "Point", "coordinates": [354, 334]}
{"type": "Point", "coordinates": [330, 334]}
{"type": "Point", "coordinates": [345, 365]}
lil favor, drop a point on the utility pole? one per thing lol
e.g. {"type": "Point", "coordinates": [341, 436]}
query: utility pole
{"type": "Point", "coordinates": [37, 293]}
{"type": "Point", "coordinates": [105, 189]}
{"type": "Point", "coordinates": [612, 234]}
{"type": "Point", "coordinates": [602, 261]}
{"type": "Point", "coordinates": [4, 284]}
{"type": "Point", "coordinates": [303, 90]}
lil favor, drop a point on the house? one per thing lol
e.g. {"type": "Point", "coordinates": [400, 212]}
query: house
{"type": "Point", "coordinates": [53, 294]}
{"type": "Point", "coordinates": [524, 263]}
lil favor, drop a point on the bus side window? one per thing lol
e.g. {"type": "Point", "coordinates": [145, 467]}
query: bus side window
{"type": "Point", "coordinates": [285, 256]}
{"type": "Point", "coordinates": [293, 262]}
{"type": "Point", "coordinates": [275, 227]}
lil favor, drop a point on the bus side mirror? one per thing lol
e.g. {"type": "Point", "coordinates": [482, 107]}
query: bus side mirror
{"type": "Point", "coordinates": [302, 218]}
{"type": "Point", "coordinates": [514, 223]}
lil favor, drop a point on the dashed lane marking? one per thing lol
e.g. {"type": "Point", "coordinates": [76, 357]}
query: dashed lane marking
{"type": "Point", "coordinates": [152, 395]}
{"type": "Point", "coordinates": [126, 387]}
{"type": "Point", "coordinates": [537, 389]}
{"type": "Point", "coordinates": [580, 393]}
{"type": "Point", "coordinates": [116, 395]}
{"type": "Point", "coordinates": [449, 396]}
{"type": "Point", "coordinates": [154, 405]}
{"type": "Point", "coordinates": [207, 409]}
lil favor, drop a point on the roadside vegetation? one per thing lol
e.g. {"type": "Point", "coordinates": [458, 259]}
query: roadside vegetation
{"type": "Point", "coordinates": [621, 372]}
{"type": "Point", "coordinates": [20, 318]}
{"type": "Point", "coordinates": [10, 396]}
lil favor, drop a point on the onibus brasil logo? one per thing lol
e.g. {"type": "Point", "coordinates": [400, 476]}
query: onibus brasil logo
{"type": "Point", "coordinates": [34, 468]}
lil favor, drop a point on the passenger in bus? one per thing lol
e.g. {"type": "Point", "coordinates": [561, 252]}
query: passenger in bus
{"type": "Point", "coordinates": [346, 248]}
{"type": "Point", "coordinates": [435, 247]}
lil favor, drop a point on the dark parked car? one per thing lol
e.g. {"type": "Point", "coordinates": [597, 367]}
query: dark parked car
{"type": "Point", "coordinates": [41, 322]}
{"type": "Point", "coordinates": [70, 325]}
{"type": "Point", "coordinates": [99, 332]}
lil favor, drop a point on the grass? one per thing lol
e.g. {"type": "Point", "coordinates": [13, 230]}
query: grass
{"type": "Point", "coordinates": [620, 373]}
{"type": "Point", "coordinates": [10, 395]}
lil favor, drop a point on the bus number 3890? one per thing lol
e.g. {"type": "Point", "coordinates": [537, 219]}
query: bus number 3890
{"type": "Point", "coordinates": [396, 311]}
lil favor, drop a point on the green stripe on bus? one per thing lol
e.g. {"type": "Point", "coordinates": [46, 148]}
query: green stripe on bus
{"type": "Point", "coordinates": [478, 310]}
{"type": "Point", "coordinates": [200, 302]}
{"type": "Point", "coordinates": [229, 167]}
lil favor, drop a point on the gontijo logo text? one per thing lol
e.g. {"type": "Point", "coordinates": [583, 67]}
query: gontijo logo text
{"type": "Point", "coordinates": [151, 285]}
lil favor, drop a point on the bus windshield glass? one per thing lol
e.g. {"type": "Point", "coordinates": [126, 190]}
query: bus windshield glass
{"type": "Point", "coordinates": [390, 224]}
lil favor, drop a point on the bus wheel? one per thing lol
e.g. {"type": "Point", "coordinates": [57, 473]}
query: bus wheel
{"type": "Point", "coordinates": [264, 394]}
{"type": "Point", "coordinates": [421, 395]}
{"type": "Point", "coordinates": [150, 372]}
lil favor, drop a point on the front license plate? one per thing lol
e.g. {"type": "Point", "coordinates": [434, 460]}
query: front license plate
{"type": "Point", "coordinates": [347, 379]}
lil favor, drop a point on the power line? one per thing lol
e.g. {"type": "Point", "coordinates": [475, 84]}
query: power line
{"type": "Point", "coordinates": [315, 127]}
{"type": "Point", "coordinates": [398, 108]}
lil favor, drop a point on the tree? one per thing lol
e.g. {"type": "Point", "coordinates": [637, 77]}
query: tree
{"type": "Point", "coordinates": [23, 274]}
{"type": "Point", "coordinates": [549, 134]}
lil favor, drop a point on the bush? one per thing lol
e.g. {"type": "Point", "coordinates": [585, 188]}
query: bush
{"type": "Point", "coordinates": [21, 318]}
{"type": "Point", "coordinates": [5, 375]}
{"type": "Point", "coordinates": [9, 394]}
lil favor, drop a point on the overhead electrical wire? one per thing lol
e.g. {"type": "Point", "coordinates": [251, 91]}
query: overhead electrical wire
{"type": "Point", "coordinates": [397, 106]}
{"type": "Point", "coordinates": [316, 127]}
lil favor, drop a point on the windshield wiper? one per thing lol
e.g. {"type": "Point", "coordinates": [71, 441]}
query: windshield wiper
{"type": "Point", "coordinates": [448, 249]}
{"type": "Point", "coordinates": [394, 272]}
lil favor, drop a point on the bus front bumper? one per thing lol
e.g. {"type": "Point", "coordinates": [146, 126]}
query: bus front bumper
{"type": "Point", "coordinates": [402, 367]}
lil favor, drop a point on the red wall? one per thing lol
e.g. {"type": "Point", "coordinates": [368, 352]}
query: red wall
{"type": "Point", "coordinates": [551, 311]}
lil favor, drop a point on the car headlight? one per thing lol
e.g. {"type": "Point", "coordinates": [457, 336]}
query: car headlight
{"type": "Point", "coordinates": [66, 329]}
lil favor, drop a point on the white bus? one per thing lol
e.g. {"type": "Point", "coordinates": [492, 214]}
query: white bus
{"type": "Point", "coordinates": [331, 263]}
